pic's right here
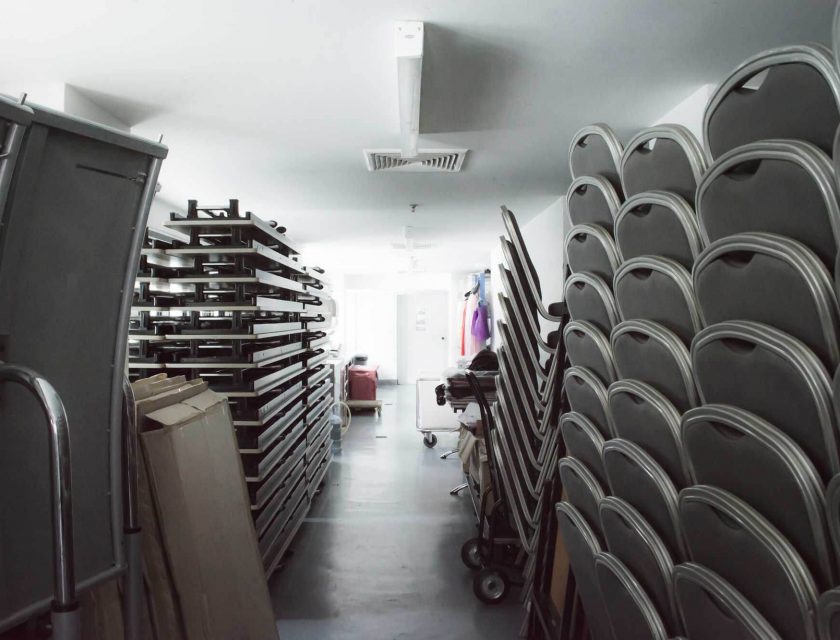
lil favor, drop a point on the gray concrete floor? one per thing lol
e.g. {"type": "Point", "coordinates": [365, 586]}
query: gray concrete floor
{"type": "Point", "coordinates": [378, 557]}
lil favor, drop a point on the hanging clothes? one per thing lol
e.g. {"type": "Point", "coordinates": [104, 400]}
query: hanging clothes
{"type": "Point", "coordinates": [470, 345]}
{"type": "Point", "coordinates": [480, 327]}
{"type": "Point", "coordinates": [462, 316]}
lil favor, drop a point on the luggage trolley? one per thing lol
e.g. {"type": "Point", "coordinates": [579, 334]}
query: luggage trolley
{"type": "Point", "coordinates": [431, 417]}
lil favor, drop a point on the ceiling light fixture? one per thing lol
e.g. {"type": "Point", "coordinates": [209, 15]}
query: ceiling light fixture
{"type": "Point", "coordinates": [409, 46]}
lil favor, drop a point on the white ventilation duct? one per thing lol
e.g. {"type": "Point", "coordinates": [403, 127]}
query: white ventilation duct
{"type": "Point", "coordinates": [409, 45]}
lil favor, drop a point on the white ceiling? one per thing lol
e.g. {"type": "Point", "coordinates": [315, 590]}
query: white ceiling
{"type": "Point", "coordinates": [272, 101]}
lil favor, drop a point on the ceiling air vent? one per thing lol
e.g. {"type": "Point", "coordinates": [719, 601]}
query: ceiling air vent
{"type": "Point", "coordinates": [427, 160]}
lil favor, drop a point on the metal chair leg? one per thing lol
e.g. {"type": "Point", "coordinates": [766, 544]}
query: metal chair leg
{"type": "Point", "coordinates": [456, 490]}
{"type": "Point", "coordinates": [451, 452]}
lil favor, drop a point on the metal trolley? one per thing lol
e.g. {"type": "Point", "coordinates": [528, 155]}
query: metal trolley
{"type": "Point", "coordinates": [431, 417]}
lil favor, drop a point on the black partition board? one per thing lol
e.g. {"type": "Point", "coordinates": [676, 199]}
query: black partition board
{"type": "Point", "coordinates": [72, 213]}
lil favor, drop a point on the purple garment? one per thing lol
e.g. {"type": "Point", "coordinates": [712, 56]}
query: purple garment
{"type": "Point", "coordinates": [480, 327]}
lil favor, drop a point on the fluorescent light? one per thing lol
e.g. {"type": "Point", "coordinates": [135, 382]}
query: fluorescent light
{"type": "Point", "coordinates": [409, 48]}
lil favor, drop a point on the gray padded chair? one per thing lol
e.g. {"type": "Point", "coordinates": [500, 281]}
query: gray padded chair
{"type": "Point", "coordinates": [595, 150]}
{"type": "Point", "coordinates": [786, 187]}
{"type": "Point", "coordinates": [828, 615]}
{"type": "Point", "coordinates": [647, 351]}
{"type": "Point", "coordinates": [642, 415]}
{"type": "Point", "coordinates": [798, 100]}
{"type": "Point", "coordinates": [832, 512]}
{"type": "Point", "coordinates": [666, 157]}
{"type": "Point", "coordinates": [761, 277]}
{"type": "Point", "coordinates": [635, 477]}
{"type": "Point", "coordinates": [658, 223]}
{"type": "Point", "coordinates": [711, 609]}
{"type": "Point", "coordinates": [591, 248]}
{"type": "Point", "coordinates": [776, 377]}
{"type": "Point", "coordinates": [592, 200]}
{"type": "Point", "coordinates": [632, 614]}
{"type": "Point", "coordinates": [582, 544]}
{"type": "Point", "coordinates": [590, 298]}
{"type": "Point", "coordinates": [739, 452]}
{"type": "Point", "coordinates": [631, 539]}
{"type": "Point", "coordinates": [582, 490]}
{"type": "Point", "coordinates": [588, 395]}
{"type": "Point", "coordinates": [584, 442]}
{"type": "Point", "coordinates": [658, 289]}
{"type": "Point", "coordinates": [728, 536]}
{"type": "Point", "coordinates": [587, 347]}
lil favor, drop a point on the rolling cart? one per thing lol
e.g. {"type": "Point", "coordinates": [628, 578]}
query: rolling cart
{"type": "Point", "coordinates": [431, 417]}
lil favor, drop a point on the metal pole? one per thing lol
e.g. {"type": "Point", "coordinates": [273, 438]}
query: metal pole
{"type": "Point", "coordinates": [133, 587]}
{"type": "Point", "coordinates": [65, 608]}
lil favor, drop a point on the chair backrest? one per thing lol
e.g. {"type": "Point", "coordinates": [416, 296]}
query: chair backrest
{"type": "Point", "coordinates": [828, 615]}
{"type": "Point", "coordinates": [582, 544]}
{"type": "Point", "coordinates": [592, 200]}
{"type": "Point", "coordinates": [518, 242]}
{"type": "Point", "coordinates": [591, 248]}
{"type": "Point", "coordinates": [832, 513]}
{"type": "Point", "coordinates": [658, 223]}
{"type": "Point", "coordinates": [590, 298]}
{"type": "Point", "coordinates": [711, 609]}
{"type": "Point", "coordinates": [73, 225]}
{"type": "Point", "coordinates": [583, 490]}
{"type": "Point", "coordinates": [769, 373]}
{"type": "Point", "coordinates": [647, 351]}
{"type": "Point", "coordinates": [735, 450]}
{"type": "Point", "coordinates": [595, 150]}
{"type": "Point", "coordinates": [666, 157]}
{"type": "Point", "coordinates": [787, 187]}
{"type": "Point", "coordinates": [762, 277]}
{"type": "Point", "coordinates": [631, 612]}
{"type": "Point", "coordinates": [584, 442]}
{"type": "Point", "coordinates": [588, 347]}
{"type": "Point", "coordinates": [728, 536]}
{"type": "Point", "coordinates": [636, 477]}
{"type": "Point", "coordinates": [797, 99]}
{"type": "Point", "coordinates": [658, 289]}
{"type": "Point", "coordinates": [631, 539]}
{"type": "Point", "coordinates": [642, 415]}
{"type": "Point", "coordinates": [588, 396]}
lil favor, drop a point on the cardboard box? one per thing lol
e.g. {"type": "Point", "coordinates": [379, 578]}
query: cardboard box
{"type": "Point", "coordinates": [195, 475]}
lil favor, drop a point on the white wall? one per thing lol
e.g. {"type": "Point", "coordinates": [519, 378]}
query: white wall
{"type": "Point", "coordinates": [369, 323]}
{"type": "Point", "coordinates": [689, 112]}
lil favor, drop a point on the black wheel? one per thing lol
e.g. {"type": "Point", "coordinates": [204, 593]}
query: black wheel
{"type": "Point", "coordinates": [430, 440]}
{"type": "Point", "coordinates": [490, 586]}
{"type": "Point", "coordinates": [471, 554]}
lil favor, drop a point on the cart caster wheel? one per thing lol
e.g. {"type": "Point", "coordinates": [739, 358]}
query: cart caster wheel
{"type": "Point", "coordinates": [430, 441]}
{"type": "Point", "coordinates": [471, 554]}
{"type": "Point", "coordinates": [490, 586]}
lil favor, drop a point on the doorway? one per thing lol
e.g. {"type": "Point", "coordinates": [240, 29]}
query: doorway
{"type": "Point", "coordinates": [422, 334]}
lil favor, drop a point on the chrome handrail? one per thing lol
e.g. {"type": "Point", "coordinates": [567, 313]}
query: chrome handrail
{"type": "Point", "coordinates": [60, 486]}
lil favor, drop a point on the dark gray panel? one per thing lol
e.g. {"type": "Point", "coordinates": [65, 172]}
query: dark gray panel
{"type": "Point", "coordinates": [632, 614]}
{"type": "Point", "coordinates": [587, 347]}
{"type": "Point", "coordinates": [584, 442]}
{"type": "Point", "coordinates": [80, 197]}
{"type": "Point", "coordinates": [592, 200]}
{"type": "Point", "coordinates": [589, 298]}
{"type": "Point", "coordinates": [591, 249]}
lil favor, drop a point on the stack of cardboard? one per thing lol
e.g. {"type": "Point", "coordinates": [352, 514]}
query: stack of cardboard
{"type": "Point", "coordinates": [203, 575]}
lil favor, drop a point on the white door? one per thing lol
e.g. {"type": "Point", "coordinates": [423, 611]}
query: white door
{"type": "Point", "coordinates": [422, 334]}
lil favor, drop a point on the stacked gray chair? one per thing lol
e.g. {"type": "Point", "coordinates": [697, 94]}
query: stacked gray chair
{"type": "Point", "coordinates": [590, 248]}
{"type": "Point", "coordinates": [631, 539]}
{"type": "Point", "coordinates": [711, 609]}
{"type": "Point", "coordinates": [585, 443]}
{"type": "Point", "coordinates": [583, 545]}
{"type": "Point", "coordinates": [737, 451]}
{"type": "Point", "coordinates": [728, 536]}
{"type": "Point", "coordinates": [588, 348]}
{"type": "Point", "coordinates": [593, 200]}
{"type": "Point", "coordinates": [828, 615]}
{"type": "Point", "coordinates": [631, 612]}
{"type": "Point", "coordinates": [634, 476]}
{"type": "Point", "coordinates": [776, 377]}
{"type": "Point", "coordinates": [525, 438]}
